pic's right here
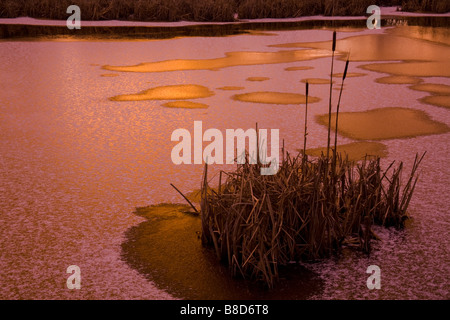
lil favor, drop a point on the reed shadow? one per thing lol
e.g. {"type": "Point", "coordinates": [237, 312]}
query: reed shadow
{"type": "Point", "coordinates": [167, 250]}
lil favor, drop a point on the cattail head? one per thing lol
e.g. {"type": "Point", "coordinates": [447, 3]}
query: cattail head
{"type": "Point", "coordinates": [334, 40]}
{"type": "Point", "coordinates": [307, 86]}
{"type": "Point", "coordinates": [345, 70]}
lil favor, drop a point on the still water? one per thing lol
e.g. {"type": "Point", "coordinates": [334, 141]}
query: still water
{"type": "Point", "coordinates": [85, 133]}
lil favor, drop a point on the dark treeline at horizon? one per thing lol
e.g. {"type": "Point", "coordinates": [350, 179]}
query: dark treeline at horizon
{"type": "Point", "coordinates": [205, 10]}
{"type": "Point", "coordinates": [32, 32]}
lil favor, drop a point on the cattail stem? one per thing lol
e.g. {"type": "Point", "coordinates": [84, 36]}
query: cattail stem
{"type": "Point", "coordinates": [331, 91]}
{"type": "Point", "coordinates": [306, 121]}
{"type": "Point", "coordinates": [337, 108]}
{"type": "Point", "coordinates": [257, 144]}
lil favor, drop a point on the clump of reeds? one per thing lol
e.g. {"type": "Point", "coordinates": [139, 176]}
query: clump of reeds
{"type": "Point", "coordinates": [308, 210]}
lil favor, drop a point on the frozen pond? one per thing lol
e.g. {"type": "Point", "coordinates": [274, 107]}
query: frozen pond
{"type": "Point", "coordinates": [76, 160]}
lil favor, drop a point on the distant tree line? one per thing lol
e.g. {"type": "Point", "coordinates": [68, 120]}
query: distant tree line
{"type": "Point", "coordinates": [205, 10]}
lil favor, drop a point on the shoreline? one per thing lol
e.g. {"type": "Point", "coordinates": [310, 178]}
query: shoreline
{"type": "Point", "coordinates": [385, 12]}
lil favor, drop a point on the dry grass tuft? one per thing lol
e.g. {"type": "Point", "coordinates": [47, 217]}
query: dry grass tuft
{"type": "Point", "coordinates": [307, 211]}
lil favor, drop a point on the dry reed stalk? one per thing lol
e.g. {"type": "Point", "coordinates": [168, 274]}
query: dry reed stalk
{"type": "Point", "coordinates": [306, 118]}
{"type": "Point", "coordinates": [338, 105]}
{"type": "Point", "coordinates": [333, 48]}
{"type": "Point", "coordinates": [190, 203]}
